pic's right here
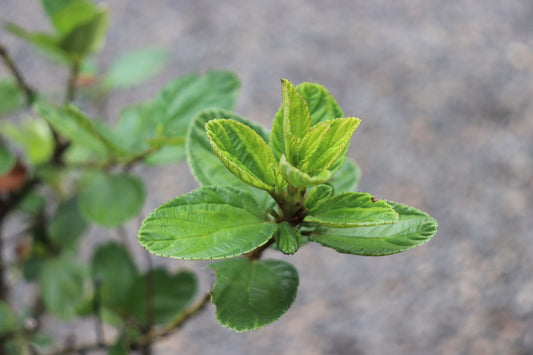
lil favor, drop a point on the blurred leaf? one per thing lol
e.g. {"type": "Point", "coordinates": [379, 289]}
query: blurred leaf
{"type": "Point", "coordinates": [212, 222]}
{"type": "Point", "coordinates": [121, 346]}
{"type": "Point", "coordinates": [166, 155]}
{"type": "Point", "coordinates": [250, 294]}
{"type": "Point", "coordinates": [67, 225]}
{"type": "Point", "coordinates": [70, 14]}
{"type": "Point", "coordinates": [33, 136]}
{"type": "Point", "coordinates": [53, 6]}
{"type": "Point", "coordinates": [114, 269]}
{"type": "Point", "coordinates": [110, 200]}
{"type": "Point", "coordinates": [414, 228]}
{"type": "Point", "coordinates": [135, 67]}
{"type": "Point", "coordinates": [347, 177]}
{"type": "Point", "coordinates": [135, 126]}
{"type": "Point", "coordinates": [183, 98]}
{"type": "Point", "coordinates": [62, 283]}
{"type": "Point", "coordinates": [7, 160]}
{"type": "Point", "coordinates": [7, 320]}
{"type": "Point", "coordinates": [32, 203]}
{"type": "Point", "coordinates": [171, 294]}
{"type": "Point", "coordinates": [11, 96]}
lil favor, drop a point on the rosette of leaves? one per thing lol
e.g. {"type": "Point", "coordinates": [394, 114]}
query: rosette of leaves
{"type": "Point", "coordinates": [282, 189]}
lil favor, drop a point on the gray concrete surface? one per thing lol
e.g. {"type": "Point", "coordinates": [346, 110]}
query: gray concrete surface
{"type": "Point", "coordinates": [445, 93]}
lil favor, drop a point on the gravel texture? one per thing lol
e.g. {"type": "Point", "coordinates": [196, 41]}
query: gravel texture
{"type": "Point", "coordinates": [445, 93]}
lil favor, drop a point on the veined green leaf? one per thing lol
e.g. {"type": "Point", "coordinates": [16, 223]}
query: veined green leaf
{"type": "Point", "coordinates": [317, 195]}
{"type": "Point", "coordinates": [135, 67]}
{"type": "Point", "coordinates": [326, 142]}
{"type": "Point", "coordinates": [111, 200]}
{"type": "Point", "coordinates": [296, 120]}
{"type": "Point", "coordinates": [414, 228]}
{"type": "Point", "coordinates": [352, 209]}
{"type": "Point", "coordinates": [116, 273]}
{"type": "Point", "coordinates": [250, 294]}
{"type": "Point", "coordinates": [171, 294]}
{"type": "Point", "coordinates": [298, 178]}
{"type": "Point", "coordinates": [243, 152]}
{"type": "Point", "coordinates": [11, 95]}
{"type": "Point", "coordinates": [7, 160]}
{"type": "Point", "coordinates": [204, 163]}
{"type": "Point", "coordinates": [67, 225]}
{"type": "Point", "coordinates": [208, 223]}
{"type": "Point", "coordinates": [33, 136]}
{"type": "Point", "coordinates": [322, 107]}
{"type": "Point", "coordinates": [62, 286]}
{"type": "Point", "coordinates": [176, 105]}
{"type": "Point", "coordinates": [288, 238]}
{"type": "Point", "coordinates": [347, 177]}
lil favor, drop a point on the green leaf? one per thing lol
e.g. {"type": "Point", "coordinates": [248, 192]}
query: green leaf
{"type": "Point", "coordinates": [317, 195]}
{"type": "Point", "coordinates": [243, 152]}
{"type": "Point", "coordinates": [53, 6]}
{"type": "Point", "coordinates": [72, 14]}
{"type": "Point", "coordinates": [67, 225]}
{"type": "Point", "coordinates": [110, 200]}
{"type": "Point", "coordinates": [352, 209]}
{"type": "Point", "coordinates": [115, 271]}
{"type": "Point", "coordinates": [205, 165]}
{"type": "Point", "coordinates": [7, 320]}
{"type": "Point", "coordinates": [88, 37]}
{"type": "Point", "coordinates": [250, 294]}
{"type": "Point", "coordinates": [62, 286]}
{"type": "Point", "coordinates": [33, 136]}
{"type": "Point", "coordinates": [166, 155]}
{"type": "Point", "coordinates": [171, 294]}
{"type": "Point", "coordinates": [11, 96]}
{"type": "Point", "coordinates": [176, 105]}
{"type": "Point", "coordinates": [322, 107]}
{"type": "Point", "coordinates": [71, 123]}
{"type": "Point", "coordinates": [325, 143]}
{"type": "Point", "coordinates": [288, 238]}
{"type": "Point", "coordinates": [347, 177]}
{"type": "Point", "coordinates": [45, 42]}
{"type": "Point", "coordinates": [7, 160]}
{"type": "Point", "coordinates": [135, 126]}
{"type": "Point", "coordinates": [296, 119]}
{"type": "Point", "coordinates": [414, 228]}
{"type": "Point", "coordinates": [135, 67]}
{"type": "Point", "coordinates": [207, 223]}
{"type": "Point", "coordinates": [120, 347]}
{"type": "Point", "coordinates": [298, 178]}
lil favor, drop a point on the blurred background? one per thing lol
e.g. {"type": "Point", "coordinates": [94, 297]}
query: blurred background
{"type": "Point", "coordinates": [445, 93]}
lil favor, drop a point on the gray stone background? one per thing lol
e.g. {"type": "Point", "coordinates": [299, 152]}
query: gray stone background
{"type": "Point", "coordinates": [445, 93]}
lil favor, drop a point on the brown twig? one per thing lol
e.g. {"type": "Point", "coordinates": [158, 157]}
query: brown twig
{"type": "Point", "coordinates": [29, 93]}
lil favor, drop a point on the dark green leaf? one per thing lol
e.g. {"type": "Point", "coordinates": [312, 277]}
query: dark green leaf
{"type": "Point", "coordinates": [288, 238]}
{"type": "Point", "coordinates": [171, 294]}
{"type": "Point", "coordinates": [67, 225]}
{"type": "Point", "coordinates": [7, 321]}
{"type": "Point", "coordinates": [352, 209]}
{"type": "Point", "coordinates": [250, 294]}
{"type": "Point", "coordinates": [111, 200]}
{"type": "Point", "coordinates": [207, 223]}
{"type": "Point", "coordinates": [11, 96]}
{"type": "Point", "coordinates": [72, 14]}
{"type": "Point", "coordinates": [243, 152]}
{"type": "Point", "coordinates": [135, 67]}
{"type": "Point", "coordinates": [114, 270]}
{"type": "Point", "coordinates": [413, 229]}
{"type": "Point", "coordinates": [7, 160]}
{"type": "Point", "coordinates": [205, 165]}
{"type": "Point", "coordinates": [62, 286]}
{"type": "Point", "coordinates": [53, 6]}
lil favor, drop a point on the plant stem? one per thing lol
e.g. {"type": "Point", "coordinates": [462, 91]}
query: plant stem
{"type": "Point", "coordinates": [70, 94]}
{"type": "Point", "coordinates": [29, 93]}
